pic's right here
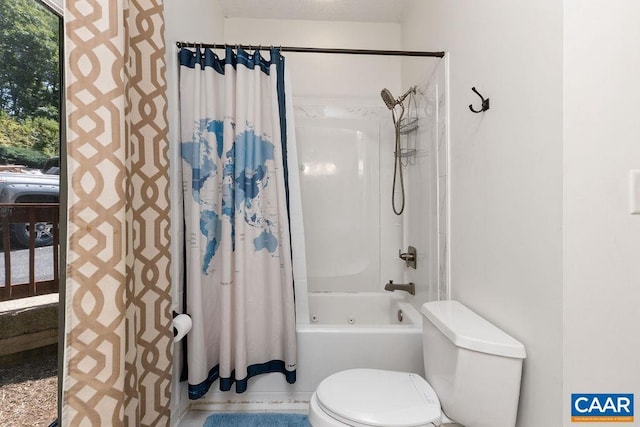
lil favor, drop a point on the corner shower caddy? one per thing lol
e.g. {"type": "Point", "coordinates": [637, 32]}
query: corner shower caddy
{"type": "Point", "coordinates": [408, 129]}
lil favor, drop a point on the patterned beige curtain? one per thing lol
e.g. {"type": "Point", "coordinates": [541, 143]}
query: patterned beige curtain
{"type": "Point", "coordinates": [118, 349]}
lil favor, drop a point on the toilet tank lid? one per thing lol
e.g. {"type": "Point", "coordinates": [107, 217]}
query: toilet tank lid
{"type": "Point", "coordinates": [468, 330]}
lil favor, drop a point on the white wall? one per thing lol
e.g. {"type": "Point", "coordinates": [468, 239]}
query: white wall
{"type": "Point", "coordinates": [196, 21]}
{"type": "Point", "coordinates": [602, 241]}
{"type": "Point", "coordinates": [327, 75]}
{"type": "Point", "coordinates": [506, 174]}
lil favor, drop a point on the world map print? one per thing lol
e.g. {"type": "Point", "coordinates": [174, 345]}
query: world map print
{"type": "Point", "coordinates": [241, 174]}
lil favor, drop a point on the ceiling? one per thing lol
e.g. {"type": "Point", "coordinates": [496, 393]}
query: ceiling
{"type": "Point", "coordinates": [320, 10]}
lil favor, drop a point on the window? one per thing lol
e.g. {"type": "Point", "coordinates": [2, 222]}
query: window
{"type": "Point", "coordinates": [31, 131]}
{"type": "Point", "coordinates": [30, 123]}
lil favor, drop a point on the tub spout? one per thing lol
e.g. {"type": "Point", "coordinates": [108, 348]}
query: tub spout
{"type": "Point", "coordinates": [409, 287]}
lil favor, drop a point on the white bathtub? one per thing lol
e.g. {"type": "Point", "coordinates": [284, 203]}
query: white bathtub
{"type": "Point", "coordinates": [347, 330]}
{"type": "Point", "coordinates": [362, 309]}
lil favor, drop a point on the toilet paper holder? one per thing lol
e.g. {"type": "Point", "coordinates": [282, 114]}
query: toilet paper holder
{"type": "Point", "coordinates": [182, 326]}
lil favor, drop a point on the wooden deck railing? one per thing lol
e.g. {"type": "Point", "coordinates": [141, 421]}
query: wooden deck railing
{"type": "Point", "coordinates": [31, 213]}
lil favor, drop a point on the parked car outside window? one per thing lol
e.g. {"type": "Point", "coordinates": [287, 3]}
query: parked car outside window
{"type": "Point", "coordinates": [19, 185]}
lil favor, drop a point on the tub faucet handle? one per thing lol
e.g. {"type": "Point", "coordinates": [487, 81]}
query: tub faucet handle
{"type": "Point", "coordinates": [409, 257]}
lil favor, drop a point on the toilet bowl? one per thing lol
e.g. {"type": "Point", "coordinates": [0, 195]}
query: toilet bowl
{"type": "Point", "coordinates": [473, 371]}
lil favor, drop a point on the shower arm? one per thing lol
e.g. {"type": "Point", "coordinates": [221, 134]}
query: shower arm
{"type": "Point", "coordinates": [400, 102]}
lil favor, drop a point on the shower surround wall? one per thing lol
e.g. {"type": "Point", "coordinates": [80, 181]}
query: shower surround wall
{"type": "Point", "coordinates": [346, 171]}
{"type": "Point", "coordinates": [345, 161]}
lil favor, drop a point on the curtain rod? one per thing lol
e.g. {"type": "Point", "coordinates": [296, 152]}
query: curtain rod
{"type": "Point", "coordinates": [317, 50]}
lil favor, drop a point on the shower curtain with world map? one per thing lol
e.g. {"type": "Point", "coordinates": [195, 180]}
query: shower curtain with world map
{"type": "Point", "coordinates": [239, 284]}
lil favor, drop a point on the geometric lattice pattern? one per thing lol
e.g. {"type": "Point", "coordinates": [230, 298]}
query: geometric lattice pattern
{"type": "Point", "coordinates": [118, 335]}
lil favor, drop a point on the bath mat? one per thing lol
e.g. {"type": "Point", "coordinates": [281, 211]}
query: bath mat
{"type": "Point", "coordinates": [257, 420]}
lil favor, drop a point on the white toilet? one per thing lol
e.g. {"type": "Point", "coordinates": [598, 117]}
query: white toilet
{"type": "Point", "coordinates": [473, 372]}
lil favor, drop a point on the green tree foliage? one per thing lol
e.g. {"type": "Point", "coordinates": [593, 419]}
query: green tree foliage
{"type": "Point", "coordinates": [38, 133]}
{"type": "Point", "coordinates": [29, 78]}
{"type": "Point", "coordinates": [22, 156]}
{"type": "Point", "coordinates": [29, 70]}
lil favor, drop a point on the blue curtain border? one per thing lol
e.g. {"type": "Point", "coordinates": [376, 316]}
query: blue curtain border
{"type": "Point", "coordinates": [275, 55]}
{"type": "Point", "coordinates": [196, 391]}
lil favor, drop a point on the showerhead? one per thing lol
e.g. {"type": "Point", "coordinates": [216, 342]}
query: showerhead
{"type": "Point", "coordinates": [388, 99]}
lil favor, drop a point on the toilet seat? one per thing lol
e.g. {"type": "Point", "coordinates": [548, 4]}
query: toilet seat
{"type": "Point", "coordinates": [378, 398]}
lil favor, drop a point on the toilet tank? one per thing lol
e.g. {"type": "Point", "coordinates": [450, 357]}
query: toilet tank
{"type": "Point", "coordinates": [474, 367]}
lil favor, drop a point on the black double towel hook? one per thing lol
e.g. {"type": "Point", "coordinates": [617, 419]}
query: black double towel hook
{"type": "Point", "coordinates": [485, 102]}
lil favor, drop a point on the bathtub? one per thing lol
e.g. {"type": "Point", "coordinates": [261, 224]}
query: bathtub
{"type": "Point", "coordinates": [362, 309]}
{"type": "Point", "coordinates": [345, 330]}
